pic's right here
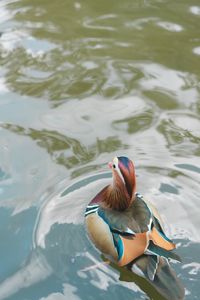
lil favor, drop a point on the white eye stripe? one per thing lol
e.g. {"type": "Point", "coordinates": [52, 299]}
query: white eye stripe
{"type": "Point", "coordinates": [115, 162]}
{"type": "Point", "coordinates": [120, 174]}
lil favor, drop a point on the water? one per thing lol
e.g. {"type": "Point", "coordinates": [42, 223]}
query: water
{"type": "Point", "coordinates": [81, 82]}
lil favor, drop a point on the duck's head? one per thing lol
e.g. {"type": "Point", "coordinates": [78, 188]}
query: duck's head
{"type": "Point", "coordinates": [124, 182]}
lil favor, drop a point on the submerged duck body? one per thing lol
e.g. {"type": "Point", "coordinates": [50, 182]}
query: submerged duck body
{"type": "Point", "coordinates": [125, 228]}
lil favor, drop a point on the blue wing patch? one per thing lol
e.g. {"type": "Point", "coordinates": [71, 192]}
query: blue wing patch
{"type": "Point", "coordinates": [119, 245]}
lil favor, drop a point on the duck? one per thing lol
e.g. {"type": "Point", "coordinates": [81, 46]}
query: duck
{"type": "Point", "coordinates": [129, 232]}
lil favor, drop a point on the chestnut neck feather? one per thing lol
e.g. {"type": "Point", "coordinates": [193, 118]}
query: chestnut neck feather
{"type": "Point", "coordinates": [121, 193]}
{"type": "Point", "coordinates": [116, 196]}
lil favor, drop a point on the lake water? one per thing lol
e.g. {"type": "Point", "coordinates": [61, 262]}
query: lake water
{"type": "Point", "coordinates": [81, 82]}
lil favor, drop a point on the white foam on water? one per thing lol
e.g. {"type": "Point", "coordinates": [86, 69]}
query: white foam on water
{"type": "Point", "coordinates": [69, 292]}
{"type": "Point", "coordinates": [11, 40]}
{"type": "Point", "coordinates": [170, 26]}
{"type": "Point", "coordinates": [196, 50]}
{"type": "Point", "coordinates": [195, 10]}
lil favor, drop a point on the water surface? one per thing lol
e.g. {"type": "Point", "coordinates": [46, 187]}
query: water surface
{"type": "Point", "coordinates": [81, 82]}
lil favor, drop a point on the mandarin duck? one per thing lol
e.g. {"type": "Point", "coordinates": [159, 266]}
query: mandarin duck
{"type": "Point", "coordinates": [129, 232]}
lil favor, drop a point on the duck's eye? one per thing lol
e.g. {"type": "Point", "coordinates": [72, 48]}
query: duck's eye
{"type": "Point", "coordinates": [114, 166]}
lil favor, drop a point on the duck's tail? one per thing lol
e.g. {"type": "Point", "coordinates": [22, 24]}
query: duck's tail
{"type": "Point", "coordinates": [164, 279]}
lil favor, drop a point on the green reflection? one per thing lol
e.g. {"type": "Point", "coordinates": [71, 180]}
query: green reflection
{"type": "Point", "coordinates": [176, 135]}
{"type": "Point", "coordinates": [144, 285]}
{"type": "Point", "coordinates": [136, 123]}
{"type": "Point", "coordinates": [87, 48]}
{"type": "Point", "coordinates": [162, 100]}
{"type": "Point", "coordinates": [67, 151]}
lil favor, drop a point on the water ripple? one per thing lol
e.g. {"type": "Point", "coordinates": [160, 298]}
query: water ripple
{"type": "Point", "coordinates": [81, 82]}
{"type": "Point", "coordinates": [93, 23]}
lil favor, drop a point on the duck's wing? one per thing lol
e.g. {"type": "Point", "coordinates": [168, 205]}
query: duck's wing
{"type": "Point", "coordinates": [149, 220]}
{"type": "Point", "coordinates": [119, 222]}
{"type": "Point", "coordinates": [159, 245]}
{"type": "Point", "coordinates": [153, 249]}
{"type": "Point", "coordinates": [157, 221]}
{"type": "Point", "coordinates": [128, 239]}
{"type": "Point", "coordinates": [137, 231]}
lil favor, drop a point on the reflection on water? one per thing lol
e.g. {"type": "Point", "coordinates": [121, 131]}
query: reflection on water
{"type": "Point", "coordinates": [81, 82]}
